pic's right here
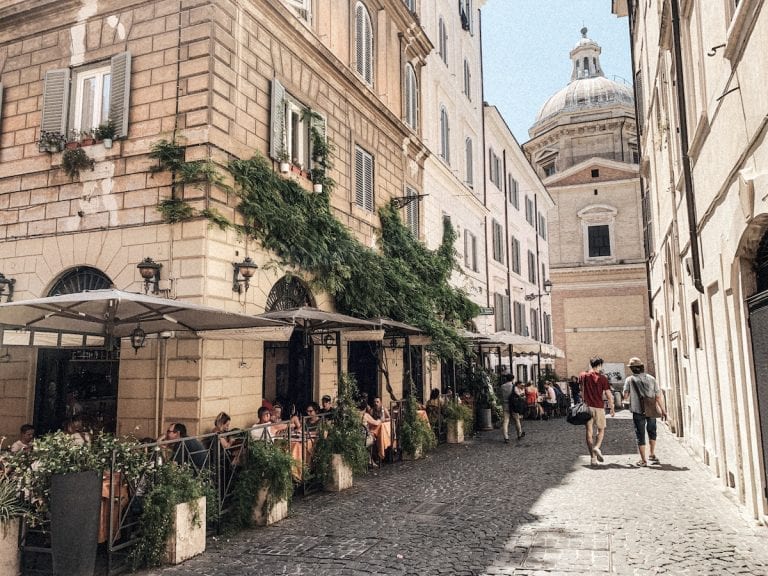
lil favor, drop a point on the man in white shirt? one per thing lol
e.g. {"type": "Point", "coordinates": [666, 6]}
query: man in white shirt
{"type": "Point", "coordinates": [26, 436]}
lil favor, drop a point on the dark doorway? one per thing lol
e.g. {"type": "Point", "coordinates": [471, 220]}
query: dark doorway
{"type": "Point", "coordinates": [76, 382]}
{"type": "Point", "coordinates": [288, 372]}
{"type": "Point", "coordinates": [363, 363]}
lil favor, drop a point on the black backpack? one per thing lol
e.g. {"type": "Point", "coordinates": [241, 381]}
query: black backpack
{"type": "Point", "coordinates": [517, 403]}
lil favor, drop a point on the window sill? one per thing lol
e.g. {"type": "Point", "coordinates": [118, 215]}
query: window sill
{"type": "Point", "coordinates": [96, 151]}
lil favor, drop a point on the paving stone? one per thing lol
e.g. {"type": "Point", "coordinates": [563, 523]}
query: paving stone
{"type": "Point", "coordinates": [536, 508]}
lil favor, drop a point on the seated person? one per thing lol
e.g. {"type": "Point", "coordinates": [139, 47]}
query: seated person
{"type": "Point", "coordinates": [312, 421]}
{"type": "Point", "coordinates": [265, 417]}
{"type": "Point", "coordinates": [433, 405]}
{"type": "Point", "coordinates": [185, 448]}
{"type": "Point", "coordinates": [327, 406]}
{"type": "Point", "coordinates": [378, 411]}
{"type": "Point", "coordinates": [532, 399]}
{"type": "Point", "coordinates": [26, 436]}
{"type": "Point", "coordinates": [221, 426]}
{"type": "Point", "coordinates": [74, 427]}
{"type": "Point", "coordinates": [550, 398]}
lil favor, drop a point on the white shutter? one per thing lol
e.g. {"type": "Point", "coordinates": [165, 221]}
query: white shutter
{"type": "Point", "coordinates": [55, 101]}
{"type": "Point", "coordinates": [359, 178]}
{"type": "Point", "coordinates": [120, 93]}
{"type": "Point", "coordinates": [359, 39]}
{"type": "Point", "coordinates": [466, 249]}
{"type": "Point", "coordinates": [277, 120]}
{"type": "Point", "coordinates": [470, 162]}
{"type": "Point", "coordinates": [303, 7]}
{"type": "Point", "coordinates": [368, 182]}
{"type": "Point", "coordinates": [368, 49]}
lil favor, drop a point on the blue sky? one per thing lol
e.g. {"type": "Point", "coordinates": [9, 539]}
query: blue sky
{"type": "Point", "coordinates": [525, 51]}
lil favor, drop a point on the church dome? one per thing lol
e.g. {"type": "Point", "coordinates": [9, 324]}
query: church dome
{"type": "Point", "coordinates": [588, 89]}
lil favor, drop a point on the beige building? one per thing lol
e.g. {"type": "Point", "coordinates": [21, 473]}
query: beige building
{"type": "Point", "coordinates": [699, 79]}
{"type": "Point", "coordinates": [226, 78]}
{"type": "Point", "coordinates": [584, 147]}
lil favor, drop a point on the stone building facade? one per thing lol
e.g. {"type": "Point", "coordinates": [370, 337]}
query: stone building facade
{"type": "Point", "coordinates": [699, 79]}
{"type": "Point", "coordinates": [220, 75]}
{"type": "Point", "coordinates": [584, 147]}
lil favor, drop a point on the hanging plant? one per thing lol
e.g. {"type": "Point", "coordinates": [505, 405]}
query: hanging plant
{"type": "Point", "coordinates": [75, 160]}
{"type": "Point", "coordinates": [175, 210]}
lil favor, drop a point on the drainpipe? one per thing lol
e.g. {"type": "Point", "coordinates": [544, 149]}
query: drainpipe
{"type": "Point", "coordinates": [689, 192]}
{"type": "Point", "coordinates": [638, 123]}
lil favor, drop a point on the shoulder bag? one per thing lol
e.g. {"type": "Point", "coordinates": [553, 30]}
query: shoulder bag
{"type": "Point", "coordinates": [650, 406]}
{"type": "Point", "coordinates": [579, 414]}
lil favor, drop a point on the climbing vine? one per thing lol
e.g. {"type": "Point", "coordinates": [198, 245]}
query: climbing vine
{"type": "Point", "coordinates": [404, 281]}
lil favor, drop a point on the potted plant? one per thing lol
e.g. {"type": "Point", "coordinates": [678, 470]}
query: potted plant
{"type": "Point", "coordinates": [486, 402]}
{"type": "Point", "coordinates": [264, 486]}
{"type": "Point", "coordinates": [322, 150]}
{"type": "Point", "coordinates": [173, 517]}
{"type": "Point", "coordinates": [106, 133]}
{"type": "Point", "coordinates": [12, 509]}
{"type": "Point", "coordinates": [51, 141]}
{"type": "Point", "coordinates": [74, 160]}
{"type": "Point", "coordinates": [340, 452]}
{"type": "Point", "coordinates": [456, 414]}
{"type": "Point", "coordinates": [87, 138]}
{"type": "Point", "coordinates": [416, 435]}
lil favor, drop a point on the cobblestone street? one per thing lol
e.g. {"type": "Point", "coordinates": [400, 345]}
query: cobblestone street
{"type": "Point", "coordinates": [530, 508]}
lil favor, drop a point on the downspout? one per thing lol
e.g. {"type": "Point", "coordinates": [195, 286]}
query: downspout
{"type": "Point", "coordinates": [482, 100]}
{"type": "Point", "coordinates": [638, 124]}
{"type": "Point", "coordinates": [508, 247]}
{"type": "Point", "coordinates": [690, 195]}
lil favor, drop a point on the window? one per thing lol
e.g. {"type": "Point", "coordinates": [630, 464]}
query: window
{"type": "Point", "coordinates": [595, 172]}
{"type": "Point", "coordinates": [412, 212]}
{"type": "Point", "coordinates": [515, 255]}
{"type": "Point", "coordinates": [514, 192]}
{"type": "Point", "coordinates": [470, 161]}
{"type": "Point", "coordinates": [498, 241]}
{"type": "Point", "coordinates": [363, 179]}
{"type": "Point", "coordinates": [291, 128]}
{"type": "Point", "coordinates": [546, 333]}
{"type": "Point", "coordinates": [519, 318]}
{"type": "Point", "coordinates": [599, 241]}
{"type": "Point", "coordinates": [529, 211]}
{"type": "Point", "coordinates": [501, 312]}
{"type": "Point", "coordinates": [442, 41]}
{"type": "Point", "coordinates": [467, 81]}
{"type": "Point", "coordinates": [470, 250]}
{"type": "Point", "coordinates": [445, 136]}
{"type": "Point", "coordinates": [465, 13]}
{"type": "Point", "coordinates": [696, 324]}
{"type": "Point", "coordinates": [549, 169]}
{"type": "Point", "coordinates": [97, 93]}
{"type": "Point", "coordinates": [542, 226]}
{"type": "Point", "coordinates": [363, 44]}
{"type": "Point", "coordinates": [640, 99]}
{"type": "Point", "coordinates": [494, 168]}
{"type": "Point", "coordinates": [411, 97]}
{"type": "Point", "coordinates": [302, 7]}
{"type": "Point", "coordinates": [411, 5]}
{"type": "Point", "coordinates": [531, 267]}
{"type": "Point", "coordinates": [534, 323]}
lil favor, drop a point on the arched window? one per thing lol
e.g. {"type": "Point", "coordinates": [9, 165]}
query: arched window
{"type": "Point", "coordinates": [467, 80]}
{"type": "Point", "coordinates": [442, 41]}
{"type": "Point", "coordinates": [411, 98]}
{"type": "Point", "coordinates": [288, 293]}
{"type": "Point", "coordinates": [363, 43]}
{"type": "Point", "coordinates": [445, 136]}
{"type": "Point", "coordinates": [80, 279]}
{"type": "Point", "coordinates": [470, 159]}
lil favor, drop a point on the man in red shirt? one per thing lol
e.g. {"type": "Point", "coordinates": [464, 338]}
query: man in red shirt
{"type": "Point", "coordinates": [593, 389]}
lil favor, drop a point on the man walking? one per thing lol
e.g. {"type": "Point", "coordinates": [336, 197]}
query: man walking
{"type": "Point", "coordinates": [637, 386]}
{"type": "Point", "coordinates": [594, 386]}
{"type": "Point", "coordinates": [506, 390]}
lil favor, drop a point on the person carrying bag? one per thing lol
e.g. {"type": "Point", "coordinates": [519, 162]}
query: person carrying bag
{"type": "Point", "coordinates": [646, 404]}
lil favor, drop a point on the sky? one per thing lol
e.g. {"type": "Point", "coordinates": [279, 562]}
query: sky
{"type": "Point", "coordinates": [525, 52]}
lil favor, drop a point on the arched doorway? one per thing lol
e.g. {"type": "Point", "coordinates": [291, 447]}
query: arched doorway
{"type": "Point", "coordinates": [288, 374]}
{"type": "Point", "coordinates": [77, 381]}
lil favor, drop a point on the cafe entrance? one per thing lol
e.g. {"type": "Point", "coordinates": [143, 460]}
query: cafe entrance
{"type": "Point", "coordinates": [77, 381]}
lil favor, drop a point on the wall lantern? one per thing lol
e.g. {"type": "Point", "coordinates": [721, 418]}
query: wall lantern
{"type": "Point", "coordinates": [138, 337]}
{"type": "Point", "coordinates": [150, 271]}
{"type": "Point", "coordinates": [329, 341]}
{"type": "Point", "coordinates": [247, 268]}
{"type": "Point", "coordinates": [6, 283]}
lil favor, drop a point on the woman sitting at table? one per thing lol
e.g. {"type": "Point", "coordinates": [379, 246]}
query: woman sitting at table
{"type": "Point", "coordinates": [74, 427]}
{"type": "Point", "coordinates": [371, 427]}
{"type": "Point", "coordinates": [532, 400]}
{"type": "Point", "coordinates": [378, 412]}
{"type": "Point", "coordinates": [291, 423]}
{"type": "Point", "coordinates": [221, 426]}
{"type": "Point", "coordinates": [312, 421]}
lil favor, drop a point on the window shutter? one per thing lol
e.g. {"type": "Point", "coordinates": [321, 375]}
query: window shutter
{"type": "Point", "coordinates": [1, 104]}
{"type": "Point", "coordinates": [368, 48]}
{"type": "Point", "coordinates": [359, 39]}
{"type": "Point", "coordinates": [507, 322]}
{"type": "Point", "coordinates": [498, 309]}
{"type": "Point", "coordinates": [120, 93]}
{"type": "Point", "coordinates": [359, 178]}
{"type": "Point", "coordinates": [368, 162]}
{"type": "Point", "coordinates": [277, 120]}
{"type": "Point", "coordinates": [55, 101]}
{"type": "Point", "coordinates": [470, 162]}
{"type": "Point", "coordinates": [466, 249]}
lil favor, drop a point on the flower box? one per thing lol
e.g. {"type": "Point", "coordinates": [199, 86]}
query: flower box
{"type": "Point", "coordinates": [455, 431]}
{"type": "Point", "coordinates": [341, 475]}
{"type": "Point", "coordinates": [187, 537]}
{"type": "Point", "coordinates": [278, 511]}
{"type": "Point", "coordinates": [9, 548]}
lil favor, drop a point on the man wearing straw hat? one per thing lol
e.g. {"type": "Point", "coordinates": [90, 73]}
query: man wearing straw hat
{"type": "Point", "coordinates": [636, 387]}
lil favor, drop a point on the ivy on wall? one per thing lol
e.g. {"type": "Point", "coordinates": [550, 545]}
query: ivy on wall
{"type": "Point", "coordinates": [404, 281]}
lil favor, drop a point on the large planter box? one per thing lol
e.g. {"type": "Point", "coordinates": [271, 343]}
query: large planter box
{"type": "Point", "coordinates": [455, 431]}
{"type": "Point", "coordinates": [9, 548]}
{"type": "Point", "coordinates": [278, 512]}
{"type": "Point", "coordinates": [187, 538]}
{"type": "Point", "coordinates": [75, 503]}
{"type": "Point", "coordinates": [341, 475]}
{"type": "Point", "coordinates": [484, 419]}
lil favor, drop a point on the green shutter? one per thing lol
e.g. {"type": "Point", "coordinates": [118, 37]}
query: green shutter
{"type": "Point", "coordinates": [120, 93]}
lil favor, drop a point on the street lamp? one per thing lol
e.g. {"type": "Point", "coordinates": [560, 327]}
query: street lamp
{"type": "Point", "coordinates": [547, 285]}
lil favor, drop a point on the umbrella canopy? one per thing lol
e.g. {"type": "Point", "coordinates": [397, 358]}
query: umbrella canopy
{"type": "Point", "coordinates": [510, 338]}
{"type": "Point", "coordinates": [105, 313]}
{"type": "Point", "coordinates": [312, 319]}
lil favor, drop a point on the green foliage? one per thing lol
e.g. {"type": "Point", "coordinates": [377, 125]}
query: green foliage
{"type": "Point", "coordinates": [75, 160]}
{"type": "Point", "coordinates": [345, 435]}
{"type": "Point", "coordinates": [52, 141]}
{"type": "Point", "coordinates": [266, 465]}
{"type": "Point", "coordinates": [106, 130]}
{"type": "Point", "coordinates": [169, 156]}
{"type": "Point", "coordinates": [11, 506]}
{"type": "Point", "coordinates": [405, 281]}
{"type": "Point", "coordinates": [415, 434]}
{"type": "Point", "coordinates": [175, 210]}
{"type": "Point", "coordinates": [171, 485]}
{"type": "Point", "coordinates": [454, 410]}
{"type": "Point", "coordinates": [57, 453]}
{"type": "Point", "coordinates": [481, 386]}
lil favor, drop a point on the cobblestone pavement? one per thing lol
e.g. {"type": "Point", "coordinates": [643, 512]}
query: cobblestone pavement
{"type": "Point", "coordinates": [533, 507]}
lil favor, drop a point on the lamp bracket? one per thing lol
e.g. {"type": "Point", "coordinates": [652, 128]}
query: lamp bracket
{"type": "Point", "coordinates": [403, 201]}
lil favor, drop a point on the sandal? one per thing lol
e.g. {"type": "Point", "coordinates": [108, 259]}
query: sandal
{"type": "Point", "coordinates": [641, 463]}
{"type": "Point", "coordinates": [654, 459]}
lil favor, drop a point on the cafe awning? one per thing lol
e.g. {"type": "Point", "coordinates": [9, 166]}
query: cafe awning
{"type": "Point", "coordinates": [314, 319]}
